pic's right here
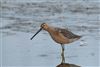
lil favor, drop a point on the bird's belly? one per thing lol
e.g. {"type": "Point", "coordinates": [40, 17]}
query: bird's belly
{"type": "Point", "coordinates": [60, 39]}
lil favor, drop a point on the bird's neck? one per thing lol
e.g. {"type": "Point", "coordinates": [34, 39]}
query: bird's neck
{"type": "Point", "coordinates": [50, 29]}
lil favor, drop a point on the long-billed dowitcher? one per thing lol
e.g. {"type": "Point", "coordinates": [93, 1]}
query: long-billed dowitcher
{"type": "Point", "coordinates": [59, 35]}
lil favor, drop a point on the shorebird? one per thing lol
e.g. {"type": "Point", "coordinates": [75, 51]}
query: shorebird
{"type": "Point", "coordinates": [59, 35]}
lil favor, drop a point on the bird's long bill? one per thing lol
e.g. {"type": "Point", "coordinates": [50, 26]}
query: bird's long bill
{"type": "Point", "coordinates": [36, 33]}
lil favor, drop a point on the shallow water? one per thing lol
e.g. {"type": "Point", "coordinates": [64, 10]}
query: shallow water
{"type": "Point", "coordinates": [21, 19]}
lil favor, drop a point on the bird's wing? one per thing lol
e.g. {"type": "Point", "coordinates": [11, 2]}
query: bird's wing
{"type": "Point", "coordinates": [66, 33]}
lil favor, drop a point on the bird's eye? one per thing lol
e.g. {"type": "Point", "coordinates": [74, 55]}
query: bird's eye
{"type": "Point", "coordinates": [43, 25]}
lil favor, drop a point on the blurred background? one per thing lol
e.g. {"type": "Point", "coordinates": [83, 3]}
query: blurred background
{"type": "Point", "coordinates": [20, 19]}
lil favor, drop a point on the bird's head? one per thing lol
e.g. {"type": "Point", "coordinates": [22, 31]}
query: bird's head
{"type": "Point", "coordinates": [44, 26]}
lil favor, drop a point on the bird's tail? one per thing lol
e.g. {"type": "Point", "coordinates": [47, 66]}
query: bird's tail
{"type": "Point", "coordinates": [79, 37]}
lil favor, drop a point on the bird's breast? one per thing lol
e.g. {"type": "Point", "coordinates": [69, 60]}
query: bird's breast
{"type": "Point", "coordinates": [59, 38]}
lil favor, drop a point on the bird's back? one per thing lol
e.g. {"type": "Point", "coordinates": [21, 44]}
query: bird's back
{"type": "Point", "coordinates": [67, 33]}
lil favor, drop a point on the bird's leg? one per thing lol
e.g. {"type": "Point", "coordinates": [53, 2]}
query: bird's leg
{"type": "Point", "coordinates": [62, 54]}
